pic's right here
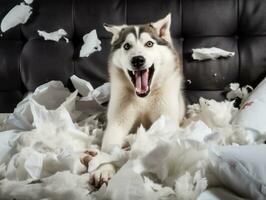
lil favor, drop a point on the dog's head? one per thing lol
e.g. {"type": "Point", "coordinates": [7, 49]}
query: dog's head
{"type": "Point", "coordinates": [141, 52]}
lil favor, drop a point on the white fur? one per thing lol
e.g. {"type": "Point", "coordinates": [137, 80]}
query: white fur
{"type": "Point", "coordinates": [126, 110]}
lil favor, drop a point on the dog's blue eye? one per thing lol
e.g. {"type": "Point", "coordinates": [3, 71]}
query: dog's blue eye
{"type": "Point", "coordinates": [127, 46]}
{"type": "Point", "coordinates": [149, 44]}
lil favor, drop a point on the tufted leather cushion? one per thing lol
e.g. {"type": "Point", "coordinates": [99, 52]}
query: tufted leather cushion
{"type": "Point", "coordinates": [26, 60]}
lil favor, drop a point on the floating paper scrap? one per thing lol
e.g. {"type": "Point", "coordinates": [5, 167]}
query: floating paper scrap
{"type": "Point", "coordinates": [17, 15]}
{"type": "Point", "coordinates": [28, 1]}
{"type": "Point", "coordinates": [91, 44]}
{"type": "Point", "coordinates": [210, 53]}
{"type": "Point", "coordinates": [55, 36]}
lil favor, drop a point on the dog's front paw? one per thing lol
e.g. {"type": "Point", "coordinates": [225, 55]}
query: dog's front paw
{"type": "Point", "coordinates": [102, 175]}
{"type": "Point", "coordinates": [87, 156]}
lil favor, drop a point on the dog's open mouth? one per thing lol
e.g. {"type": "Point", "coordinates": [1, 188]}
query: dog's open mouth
{"type": "Point", "coordinates": [141, 80]}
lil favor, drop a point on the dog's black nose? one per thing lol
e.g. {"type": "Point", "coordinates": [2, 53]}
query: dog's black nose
{"type": "Point", "coordinates": [138, 61]}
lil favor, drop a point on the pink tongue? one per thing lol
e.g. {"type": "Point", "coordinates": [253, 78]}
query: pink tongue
{"type": "Point", "coordinates": [142, 81]}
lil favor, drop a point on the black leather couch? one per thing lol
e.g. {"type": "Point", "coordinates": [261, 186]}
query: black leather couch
{"type": "Point", "coordinates": [26, 60]}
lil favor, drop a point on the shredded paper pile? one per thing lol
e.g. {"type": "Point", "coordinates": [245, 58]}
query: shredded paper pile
{"type": "Point", "coordinates": [41, 144]}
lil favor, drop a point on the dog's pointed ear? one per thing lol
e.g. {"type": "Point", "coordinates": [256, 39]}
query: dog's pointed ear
{"type": "Point", "coordinates": [162, 27]}
{"type": "Point", "coordinates": [115, 30]}
{"type": "Point", "coordinates": [112, 28]}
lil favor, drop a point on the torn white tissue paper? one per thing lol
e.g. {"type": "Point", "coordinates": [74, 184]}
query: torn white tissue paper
{"type": "Point", "coordinates": [190, 187]}
{"type": "Point", "coordinates": [83, 87]}
{"type": "Point", "coordinates": [28, 1]}
{"type": "Point", "coordinates": [55, 145]}
{"type": "Point", "coordinates": [25, 164]}
{"type": "Point", "coordinates": [38, 163]}
{"type": "Point", "coordinates": [51, 95]}
{"type": "Point", "coordinates": [7, 139]}
{"type": "Point", "coordinates": [17, 15]}
{"type": "Point", "coordinates": [91, 44]}
{"type": "Point", "coordinates": [198, 131]}
{"type": "Point", "coordinates": [60, 186]}
{"type": "Point", "coordinates": [92, 98]}
{"type": "Point", "coordinates": [135, 186]}
{"type": "Point", "coordinates": [216, 114]}
{"type": "Point", "coordinates": [240, 92]}
{"type": "Point", "coordinates": [3, 125]}
{"type": "Point", "coordinates": [210, 53]}
{"type": "Point", "coordinates": [54, 36]}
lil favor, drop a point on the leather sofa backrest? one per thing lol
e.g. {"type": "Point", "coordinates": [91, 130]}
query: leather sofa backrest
{"type": "Point", "coordinates": [26, 60]}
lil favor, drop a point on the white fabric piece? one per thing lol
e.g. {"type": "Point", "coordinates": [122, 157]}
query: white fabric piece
{"type": "Point", "coordinates": [241, 164]}
{"type": "Point", "coordinates": [91, 44]}
{"type": "Point", "coordinates": [210, 53]}
{"type": "Point", "coordinates": [17, 15]}
{"type": "Point", "coordinates": [252, 114]}
{"type": "Point", "coordinates": [54, 36]}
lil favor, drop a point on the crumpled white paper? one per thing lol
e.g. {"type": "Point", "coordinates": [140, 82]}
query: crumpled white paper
{"type": "Point", "coordinates": [210, 53]}
{"type": "Point", "coordinates": [17, 15]}
{"type": "Point", "coordinates": [51, 95]}
{"type": "Point", "coordinates": [221, 112]}
{"type": "Point", "coordinates": [54, 36]}
{"type": "Point", "coordinates": [238, 92]}
{"type": "Point", "coordinates": [45, 155]}
{"type": "Point", "coordinates": [7, 139]}
{"type": "Point", "coordinates": [92, 99]}
{"type": "Point", "coordinates": [60, 186]}
{"type": "Point", "coordinates": [55, 145]}
{"type": "Point", "coordinates": [90, 45]}
{"type": "Point", "coordinates": [160, 144]}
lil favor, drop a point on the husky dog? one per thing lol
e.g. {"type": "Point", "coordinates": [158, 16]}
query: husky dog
{"type": "Point", "coordinates": [146, 81]}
